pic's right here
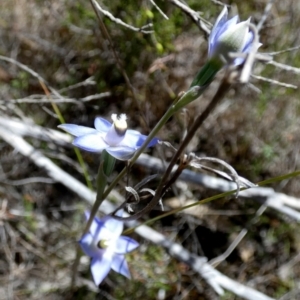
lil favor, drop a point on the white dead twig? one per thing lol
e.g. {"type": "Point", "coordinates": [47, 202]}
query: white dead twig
{"type": "Point", "coordinates": [284, 51]}
{"type": "Point", "coordinates": [193, 14]}
{"type": "Point", "coordinates": [86, 82]}
{"type": "Point", "coordinates": [27, 181]}
{"type": "Point", "coordinates": [265, 15]}
{"type": "Point", "coordinates": [215, 279]}
{"type": "Point", "coordinates": [275, 82]}
{"type": "Point", "coordinates": [119, 21]}
{"type": "Point", "coordinates": [217, 260]}
{"type": "Point", "coordinates": [159, 10]}
{"type": "Point", "coordinates": [284, 67]}
{"type": "Point", "coordinates": [54, 99]}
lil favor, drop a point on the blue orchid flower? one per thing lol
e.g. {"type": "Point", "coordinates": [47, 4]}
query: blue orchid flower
{"type": "Point", "coordinates": [106, 246]}
{"type": "Point", "coordinates": [229, 36]}
{"type": "Point", "coordinates": [226, 37]}
{"type": "Point", "coordinates": [115, 138]}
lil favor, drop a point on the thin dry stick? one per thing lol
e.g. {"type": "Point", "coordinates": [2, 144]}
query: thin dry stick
{"type": "Point", "coordinates": [217, 260]}
{"type": "Point", "coordinates": [265, 15]}
{"type": "Point", "coordinates": [224, 87]}
{"type": "Point", "coordinates": [158, 8]}
{"type": "Point", "coordinates": [193, 14]}
{"type": "Point", "coordinates": [284, 67]}
{"type": "Point", "coordinates": [284, 51]}
{"type": "Point", "coordinates": [33, 73]}
{"type": "Point", "coordinates": [275, 82]}
{"type": "Point", "coordinates": [119, 21]}
{"type": "Point", "coordinates": [43, 99]}
{"type": "Point", "coordinates": [86, 82]}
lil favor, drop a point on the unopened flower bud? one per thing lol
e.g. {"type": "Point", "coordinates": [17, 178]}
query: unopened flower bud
{"type": "Point", "coordinates": [229, 36]}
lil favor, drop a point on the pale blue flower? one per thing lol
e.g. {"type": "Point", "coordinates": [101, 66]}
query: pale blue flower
{"type": "Point", "coordinates": [228, 36]}
{"type": "Point", "coordinates": [106, 246]}
{"type": "Point", "coordinates": [115, 138]}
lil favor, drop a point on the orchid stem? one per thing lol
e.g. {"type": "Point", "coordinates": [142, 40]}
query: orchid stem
{"type": "Point", "coordinates": [192, 94]}
{"type": "Point", "coordinates": [106, 167]}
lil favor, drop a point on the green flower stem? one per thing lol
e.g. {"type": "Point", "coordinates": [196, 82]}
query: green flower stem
{"type": "Point", "coordinates": [107, 163]}
{"type": "Point", "coordinates": [192, 94]}
{"type": "Point", "coordinates": [207, 73]}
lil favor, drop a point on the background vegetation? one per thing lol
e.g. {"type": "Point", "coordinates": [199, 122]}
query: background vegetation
{"type": "Point", "coordinates": [255, 129]}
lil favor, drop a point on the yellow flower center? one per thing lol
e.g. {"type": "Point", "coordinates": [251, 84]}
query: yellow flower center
{"type": "Point", "coordinates": [103, 244]}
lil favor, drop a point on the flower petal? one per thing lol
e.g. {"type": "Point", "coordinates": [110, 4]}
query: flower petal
{"type": "Point", "coordinates": [121, 152]}
{"type": "Point", "coordinates": [91, 142]}
{"type": "Point", "coordinates": [96, 223]}
{"type": "Point", "coordinates": [125, 244]}
{"type": "Point", "coordinates": [119, 265]}
{"type": "Point", "coordinates": [100, 266]}
{"type": "Point", "coordinates": [115, 227]}
{"type": "Point", "coordinates": [153, 142]}
{"type": "Point", "coordinates": [89, 246]}
{"type": "Point", "coordinates": [113, 137]}
{"type": "Point", "coordinates": [77, 130]}
{"type": "Point", "coordinates": [221, 20]}
{"type": "Point", "coordinates": [120, 212]}
{"type": "Point", "coordinates": [247, 48]}
{"type": "Point", "coordinates": [248, 43]}
{"type": "Point", "coordinates": [230, 23]}
{"type": "Point", "coordinates": [102, 124]}
{"type": "Point", "coordinates": [213, 42]}
{"type": "Point", "coordinates": [135, 139]}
